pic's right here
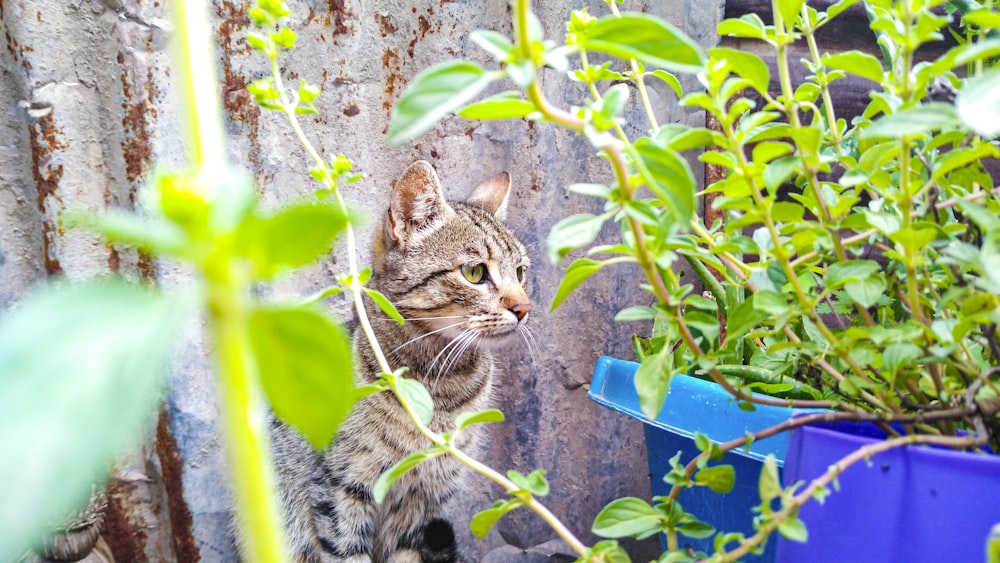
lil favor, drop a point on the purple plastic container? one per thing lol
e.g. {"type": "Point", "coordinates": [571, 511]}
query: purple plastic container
{"type": "Point", "coordinates": [911, 504]}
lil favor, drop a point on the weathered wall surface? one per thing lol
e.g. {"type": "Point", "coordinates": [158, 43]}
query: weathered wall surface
{"type": "Point", "coordinates": [87, 107]}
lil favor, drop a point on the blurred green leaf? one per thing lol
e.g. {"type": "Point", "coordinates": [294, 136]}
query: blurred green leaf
{"type": "Point", "coordinates": [578, 272]}
{"type": "Point", "coordinates": [575, 231]}
{"type": "Point", "coordinates": [467, 419]}
{"type": "Point", "coordinates": [534, 482]}
{"type": "Point", "coordinates": [669, 176]}
{"type": "Point", "coordinates": [645, 38]}
{"type": "Point", "coordinates": [745, 65]}
{"type": "Point", "coordinates": [793, 529]}
{"type": "Point", "coordinates": [304, 365]}
{"type": "Point", "coordinates": [505, 105]}
{"type": "Point", "coordinates": [719, 478]}
{"type": "Point", "coordinates": [922, 119]}
{"type": "Point", "coordinates": [482, 522]}
{"type": "Point", "coordinates": [417, 397]}
{"type": "Point", "coordinates": [431, 95]}
{"type": "Point", "coordinates": [652, 382]}
{"type": "Point", "coordinates": [857, 63]}
{"type": "Point", "coordinates": [383, 303]}
{"type": "Point", "coordinates": [978, 104]}
{"type": "Point", "coordinates": [391, 475]}
{"type": "Point", "coordinates": [296, 235]}
{"type": "Point", "coordinates": [626, 517]}
{"type": "Point", "coordinates": [82, 371]}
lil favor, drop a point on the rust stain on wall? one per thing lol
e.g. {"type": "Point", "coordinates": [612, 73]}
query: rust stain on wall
{"type": "Point", "coordinates": [385, 24]}
{"type": "Point", "coordinates": [45, 140]}
{"type": "Point", "coordinates": [336, 15]}
{"type": "Point", "coordinates": [392, 63]}
{"type": "Point", "coordinates": [172, 467]}
{"type": "Point", "coordinates": [136, 105]}
{"type": "Point", "coordinates": [237, 102]}
{"type": "Point", "coordinates": [124, 529]}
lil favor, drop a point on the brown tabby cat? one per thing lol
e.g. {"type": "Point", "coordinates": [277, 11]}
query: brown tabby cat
{"type": "Point", "coordinates": [458, 276]}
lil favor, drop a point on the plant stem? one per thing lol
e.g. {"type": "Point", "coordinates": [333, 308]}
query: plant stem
{"type": "Point", "coordinates": [244, 420]}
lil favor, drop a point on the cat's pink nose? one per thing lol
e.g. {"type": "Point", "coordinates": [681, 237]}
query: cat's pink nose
{"type": "Point", "coordinates": [521, 310]}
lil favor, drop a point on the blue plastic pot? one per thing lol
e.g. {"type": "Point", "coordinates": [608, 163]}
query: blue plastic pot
{"type": "Point", "coordinates": [694, 405]}
{"type": "Point", "coordinates": [912, 504]}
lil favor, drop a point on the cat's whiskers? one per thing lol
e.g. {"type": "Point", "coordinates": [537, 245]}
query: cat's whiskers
{"type": "Point", "coordinates": [426, 334]}
{"type": "Point", "coordinates": [450, 345]}
{"type": "Point", "coordinates": [467, 340]}
{"type": "Point", "coordinates": [529, 339]}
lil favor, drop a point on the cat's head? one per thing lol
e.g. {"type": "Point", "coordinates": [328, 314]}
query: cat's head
{"type": "Point", "coordinates": [453, 267]}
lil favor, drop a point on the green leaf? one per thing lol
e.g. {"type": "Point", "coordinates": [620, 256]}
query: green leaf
{"type": "Point", "coordinates": [793, 529]}
{"type": "Point", "coordinates": [627, 517]}
{"type": "Point", "coordinates": [613, 102]}
{"type": "Point", "coordinates": [383, 303]}
{"type": "Point", "coordinates": [867, 291]}
{"type": "Point", "coordinates": [745, 65]}
{"type": "Point", "coordinates": [416, 395]}
{"type": "Point", "coordinates": [534, 482]}
{"type": "Point", "coordinates": [719, 478]}
{"type": "Point", "coordinates": [304, 365]}
{"type": "Point", "coordinates": [989, 256]}
{"type": "Point", "coordinates": [789, 10]}
{"type": "Point", "coordinates": [748, 25]}
{"type": "Point", "coordinates": [307, 92]}
{"type": "Point", "coordinates": [82, 370]}
{"type": "Point", "coordinates": [669, 176]}
{"type": "Point", "coordinates": [577, 273]}
{"type": "Point", "coordinates": [482, 522]}
{"type": "Point", "coordinates": [857, 63]}
{"type": "Point", "coordinates": [918, 120]}
{"type": "Point", "coordinates": [671, 81]}
{"type": "Point", "coordinates": [431, 95]}
{"type": "Point", "coordinates": [296, 235]}
{"type": "Point", "coordinates": [466, 419]}
{"type": "Point", "coordinates": [769, 486]}
{"type": "Point", "coordinates": [573, 232]}
{"type": "Point", "coordinates": [898, 354]}
{"type": "Point", "coordinates": [391, 475]}
{"type": "Point", "coordinates": [153, 234]}
{"type": "Point", "coordinates": [496, 44]}
{"type": "Point", "coordinates": [645, 38]}
{"type": "Point", "coordinates": [696, 529]}
{"type": "Point", "coordinates": [838, 8]}
{"type": "Point", "coordinates": [652, 382]}
{"type": "Point", "coordinates": [636, 313]}
{"type": "Point", "coordinates": [779, 171]}
{"type": "Point", "coordinates": [505, 105]}
{"type": "Point", "coordinates": [839, 273]}
{"type": "Point", "coordinates": [978, 104]}
{"type": "Point", "coordinates": [284, 37]}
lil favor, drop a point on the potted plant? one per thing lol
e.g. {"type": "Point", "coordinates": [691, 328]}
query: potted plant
{"type": "Point", "coordinates": [859, 261]}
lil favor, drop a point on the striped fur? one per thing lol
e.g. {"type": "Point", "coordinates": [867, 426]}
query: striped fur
{"type": "Point", "coordinates": [452, 326]}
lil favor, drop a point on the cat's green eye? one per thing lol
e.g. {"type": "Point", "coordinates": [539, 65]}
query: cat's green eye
{"type": "Point", "coordinates": [520, 274]}
{"type": "Point", "coordinates": [475, 273]}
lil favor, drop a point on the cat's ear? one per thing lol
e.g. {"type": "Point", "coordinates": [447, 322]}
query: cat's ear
{"type": "Point", "coordinates": [417, 202]}
{"type": "Point", "coordinates": [491, 196]}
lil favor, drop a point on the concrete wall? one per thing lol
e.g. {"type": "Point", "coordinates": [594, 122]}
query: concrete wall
{"type": "Point", "coordinates": [87, 104]}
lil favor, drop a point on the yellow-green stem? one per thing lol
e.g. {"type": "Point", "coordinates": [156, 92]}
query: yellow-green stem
{"type": "Point", "coordinates": [244, 421]}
